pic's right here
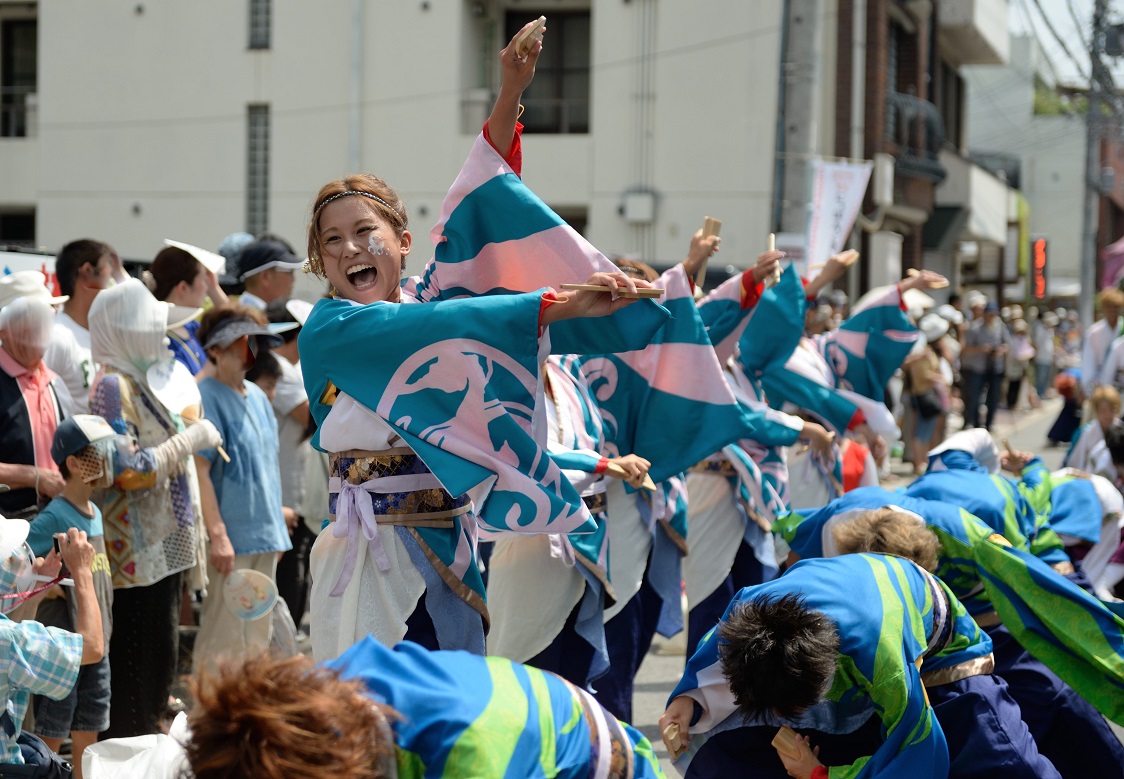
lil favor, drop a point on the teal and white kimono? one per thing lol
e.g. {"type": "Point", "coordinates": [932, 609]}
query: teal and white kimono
{"type": "Point", "coordinates": [536, 581]}
{"type": "Point", "coordinates": [429, 414]}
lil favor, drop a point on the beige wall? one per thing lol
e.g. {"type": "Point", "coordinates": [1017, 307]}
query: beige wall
{"type": "Point", "coordinates": [147, 111]}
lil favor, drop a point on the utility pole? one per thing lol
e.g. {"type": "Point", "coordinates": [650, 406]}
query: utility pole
{"type": "Point", "coordinates": [800, 72]}
{"type": "Point", "coordinates": [1094, 123]}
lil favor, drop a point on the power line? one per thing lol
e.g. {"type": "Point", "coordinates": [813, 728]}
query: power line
{"type": "Point", "coordinates": [1077, 24]}
{"type": "Point", "coordinates": [1060, 40]}
{"type": "Point", "coordinates": [1033, 30]}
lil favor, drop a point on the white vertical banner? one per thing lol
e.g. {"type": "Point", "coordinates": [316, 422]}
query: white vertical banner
{"type": "Point", "coordinates": [837, 196]}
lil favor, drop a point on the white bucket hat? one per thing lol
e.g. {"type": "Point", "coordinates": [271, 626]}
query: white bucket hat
{"type": "Point", "coordinates": [27, 283]}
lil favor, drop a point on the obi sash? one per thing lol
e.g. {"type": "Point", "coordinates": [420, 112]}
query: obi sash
{"type": "Point", "coordinates": [391, 487]}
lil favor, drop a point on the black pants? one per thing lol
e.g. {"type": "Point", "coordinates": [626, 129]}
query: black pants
{"type": "Point", "coordinates": [569, 655]}
{"type": "Point", "coordinates": [143, 656]}
{"type": "Point", "coordinates": [628, 637]}
{"type": "Point", "coordinates": [748, 753]}
{"type": "Point", "coordinates": [293, 578]}
{"type": "Point", "coordinates": [1013, 387]}
{"type": "Point", "coordinates": [982, 387]}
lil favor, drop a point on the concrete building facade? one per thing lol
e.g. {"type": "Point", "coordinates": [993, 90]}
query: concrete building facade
{"type": "Point", "coordinates": [142, 121]}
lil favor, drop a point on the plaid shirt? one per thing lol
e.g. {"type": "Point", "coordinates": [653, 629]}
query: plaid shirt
{"type": "Point", "coordinates": [35, 660]}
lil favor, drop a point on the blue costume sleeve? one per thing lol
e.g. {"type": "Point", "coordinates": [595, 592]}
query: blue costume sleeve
{"type": "Point", "coordinates": [456, 380]}
{"type": "Point", "coordinates": [775, 329]}
{"type": "Point", "coordinates": [669, 402]}
{"type": "Point", "coordinates": [870, 345]}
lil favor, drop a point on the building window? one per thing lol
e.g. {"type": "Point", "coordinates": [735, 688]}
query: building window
{"type": "Point", "coordinates": [951, 104]}
{"type": "Point", "coordinates": [257, 169]}
{"type": "Point", "coordinates": [18, 75]}
{"type": "Point", "coordinates": [17, 229]}
{"type": "Point", "coordinates": [261, 23]}
{"type": "Point", "coordinates": [558, 99]}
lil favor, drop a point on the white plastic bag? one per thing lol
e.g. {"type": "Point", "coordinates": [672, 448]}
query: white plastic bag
{"type": "Point", "coordinates": [157, 756]}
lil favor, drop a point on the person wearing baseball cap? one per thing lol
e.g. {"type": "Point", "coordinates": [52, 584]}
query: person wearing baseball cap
{"type": "Point", "coordinates": [84, 447]}
{"type": "Point", "coordinates": [241, 498]}
{"type": "Point", "coordinates": [267, 268]}
{"type": "Point", "coordinates": [50, 658]}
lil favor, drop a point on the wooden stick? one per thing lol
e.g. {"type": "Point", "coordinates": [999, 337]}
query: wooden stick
{"type": "Point", "coordinates": [619, 472]}
{"type": "Point", "coordinates": [938, 284]}
{"type": "Point", "coordinates": [525, 41]}
{"type": "Point", "coordinates": [776, 277]}
{"type": "Point", "coordinates": [193, 414]}
{"type": "Point", "coordinates": [673, 741]}
{"type": "Point", "coordinates": [711, 226]}
{"type": "Point", "coordinates": [641, 292]}
{"type": "Point", "coordinates": [786, 742]}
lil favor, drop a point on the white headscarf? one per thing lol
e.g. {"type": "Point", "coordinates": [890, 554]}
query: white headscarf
{"type": "Point", "coordinates": [127, 329]}
{"type": "Point", "coordinates": [27, 324]}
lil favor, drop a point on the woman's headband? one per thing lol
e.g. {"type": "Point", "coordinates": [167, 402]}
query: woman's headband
{"type": "Point", "coordinates": [368, 195]}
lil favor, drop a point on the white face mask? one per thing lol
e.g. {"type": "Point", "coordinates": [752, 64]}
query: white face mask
{"type": "Point", "coordinates": [95, 463]}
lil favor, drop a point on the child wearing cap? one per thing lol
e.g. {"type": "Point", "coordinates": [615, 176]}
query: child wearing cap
{"type": "Point", "coordinates": [83, 448]}
{"type": "Point", "coordinates": [241, 499]}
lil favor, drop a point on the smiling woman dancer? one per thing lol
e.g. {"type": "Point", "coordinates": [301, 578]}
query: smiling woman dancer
{"type": "Point", "coordinates": [419, 404]}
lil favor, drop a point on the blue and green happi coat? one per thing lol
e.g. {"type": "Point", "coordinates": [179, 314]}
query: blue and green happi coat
{"type": "Point", "coordinates": [1060, 624]}
{"type": "Point", "coordinates": [883, 610]}
{"type": "Point", "coordinates": [462, 716]}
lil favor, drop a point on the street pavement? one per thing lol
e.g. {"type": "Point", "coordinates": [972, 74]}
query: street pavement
{"type": "Point", "coordinates": [1024, 430]}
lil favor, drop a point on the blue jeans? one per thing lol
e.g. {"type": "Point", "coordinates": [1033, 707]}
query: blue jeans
{"type": "Point", "coordinates": [86, 708]}
{"type": "Point", "coordinates": [1042, 378]}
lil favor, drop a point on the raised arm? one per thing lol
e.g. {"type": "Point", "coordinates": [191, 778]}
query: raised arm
{"type": "Point", "coordinates": [517, 74]}
{"type": "Point", "coordinates": [78, 554]}
{"type": "Point", "coordinates": [140, 468]}
{"type": "Point", "coordinates": [833, 270]}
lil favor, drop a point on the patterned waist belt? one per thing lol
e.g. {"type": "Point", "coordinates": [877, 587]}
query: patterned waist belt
{"type": "Point", "coordinates": [715, 468]}
{"type": "Point", "coordinates": [610, 750]}
{"type": "Point", "coordinates": [977, 666]}
{"type": "Point", "coordinates": [941, 634]}
{"type": "Point", "coordinates": [391, 487]}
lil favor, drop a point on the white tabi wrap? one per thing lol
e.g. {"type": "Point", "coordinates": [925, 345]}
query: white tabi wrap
{"type": "Point", "coordinates": [531, 592]}
{"type": "Point", "coordinates": [809, 486]}
{"type": "Point", "coordinates": [630, 543]}
{"type": "Point", "coordinates": [716, 532]}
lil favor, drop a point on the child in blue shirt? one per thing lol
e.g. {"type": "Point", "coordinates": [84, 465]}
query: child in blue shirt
{"type": "Point", "coordinates": [83, 448]}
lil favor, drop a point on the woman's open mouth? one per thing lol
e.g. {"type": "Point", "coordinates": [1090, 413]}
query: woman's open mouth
{"type": "Point", "coordinates": [362, 276]}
